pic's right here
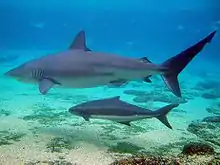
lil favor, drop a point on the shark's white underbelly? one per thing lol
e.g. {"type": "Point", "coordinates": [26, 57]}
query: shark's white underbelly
{"type": "Point", "coordinates": [120, 118]}
{"type": "Point", "coordinates": [84, 82]}
{"type": "Point", "coordinates": [100, 80]}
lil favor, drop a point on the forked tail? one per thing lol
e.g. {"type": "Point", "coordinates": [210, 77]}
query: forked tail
{"type": "Point", "coordinates": [161, 114]}
{"type": "Point", "coordinates": [177, 63]}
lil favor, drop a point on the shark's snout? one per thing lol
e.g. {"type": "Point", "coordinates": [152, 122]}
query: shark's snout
{"type": "Point", "coordinates": [12, 73]}
{"type": "Point", "coordinates": [74, 111]}
{"type": "Point", "coordinates": [17, 72]}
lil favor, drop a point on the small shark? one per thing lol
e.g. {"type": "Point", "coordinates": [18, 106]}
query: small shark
{"type": "Point", "coordinates": [119, 111]}
{"type": "Point", "coordinates": [79, 67]}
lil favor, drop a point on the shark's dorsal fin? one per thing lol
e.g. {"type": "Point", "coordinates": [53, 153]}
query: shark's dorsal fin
{"type": "Point", "coordinates": [116, 98]}
{"type": "Point", "coordinates": [79, 42]}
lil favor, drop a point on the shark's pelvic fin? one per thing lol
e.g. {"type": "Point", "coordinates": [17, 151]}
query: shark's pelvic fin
{"type": "Point", "coordinates": [125, 123]}
{"type": "Point", "coordinates": [80, 42]}
{"type": "Point", "coordinates": [177, 63]}
{"type": "Point", "coordinates": [161, 113]}
{"type": "Point", "coordinates": [146, 60]}
{"type": "Point", "coordinates": [118, 82]}
{"type": "Point", "coordinates": [45, 85]}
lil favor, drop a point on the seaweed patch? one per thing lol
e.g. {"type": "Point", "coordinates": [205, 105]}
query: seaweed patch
{"type": "Point", "coordinates": [7, 138]}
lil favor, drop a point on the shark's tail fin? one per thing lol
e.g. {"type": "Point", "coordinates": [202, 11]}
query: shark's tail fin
{"type": "Point", "coordinates": [177, 63]}
{"type": "Point", "coordinates": [161, 113]}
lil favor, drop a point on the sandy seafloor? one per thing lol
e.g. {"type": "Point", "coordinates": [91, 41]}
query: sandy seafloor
{"type": "Point", "coordinates": [35, 127]}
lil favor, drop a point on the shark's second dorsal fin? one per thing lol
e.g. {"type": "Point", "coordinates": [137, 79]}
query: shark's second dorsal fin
{"type": "Point", "coordinates": [79, 42]}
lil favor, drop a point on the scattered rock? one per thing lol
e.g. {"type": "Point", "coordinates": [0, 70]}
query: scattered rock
{"type": "Point", "coordinates": [211, 88]}
{"type": "Point", "coordinates": [211, 94]}
{"type": "Point", "coordinates": [212, 119]}
{"type": "Point", "coordinates": [215, 109]}
{"type": "Point", "coordinates": [160, 98]}
{"type": "Point", "coordinates": [125, 147]}
{"type": "Point", "coordinates": [208, 85]}
{"type": "Point", "coordinates": [198, 149]}
{"type": "Point", "coordinates": [208, 131]}
{"type": "Point", "coordinates": [135, 92]}
{"type": "Point", "coordinates": [174, 160]}
{"type": "Point", "coordinates": [146, 161]}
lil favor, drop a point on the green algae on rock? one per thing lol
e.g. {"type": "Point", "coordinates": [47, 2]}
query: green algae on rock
{"type": "Point", "coordinates": [59, 144]}
{"type": "Point", "coordinates": [7, 138]}
{"type": "Point", "coordinates": [125, 147]}
{"type": "Point", "coordinates": [46, 115]}
{"type": "Point", "coordinates": [55, 162]}
{"type": "Point", "coordinates": [4, 112]}
{"type": "Point", "coordinates": [47, 119]}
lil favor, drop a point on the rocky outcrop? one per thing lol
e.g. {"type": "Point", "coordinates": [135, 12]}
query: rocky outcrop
{"type": "Point", "coordinates": [196, 148]}
{"type": "Point", "coordinates": [207, 129]}
{"type": "Point", "coordinates": [174, 160]}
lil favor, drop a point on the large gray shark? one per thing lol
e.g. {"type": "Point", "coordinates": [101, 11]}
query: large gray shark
{"type": "Point", "coordinates": [116, 110]}
{"type": "Point", "coordinates": [79, 67]}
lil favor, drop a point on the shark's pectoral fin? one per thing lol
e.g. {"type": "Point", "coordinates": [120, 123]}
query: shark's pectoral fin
{"type": "Point", "coordinates": [45, 85]}
{"type": "Point", "coordinates": [125, 123]}
{"type": "Point", "coordinates": [86, 118]}
{"type": "Point", "coordinates": [79, 42]}
{"type": "Point", "coordinates": [147, 79]}
{"type": "Point", "coordinates": [119, 82]}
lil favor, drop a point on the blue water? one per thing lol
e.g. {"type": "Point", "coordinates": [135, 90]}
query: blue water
{"type": "Point", "coordinates": [157, 29]}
